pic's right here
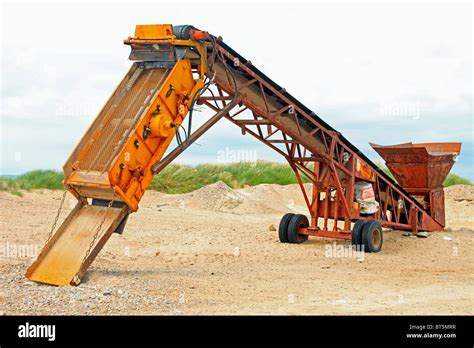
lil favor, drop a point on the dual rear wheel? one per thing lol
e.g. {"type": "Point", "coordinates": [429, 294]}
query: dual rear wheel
{"type": "Point", "coordinates": [288, 229]}
{"type": "Point", "coordinates": [367, 234]}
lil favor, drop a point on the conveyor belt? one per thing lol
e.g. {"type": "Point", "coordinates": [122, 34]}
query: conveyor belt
{"type": "Point", "coordinates": [297, 103]}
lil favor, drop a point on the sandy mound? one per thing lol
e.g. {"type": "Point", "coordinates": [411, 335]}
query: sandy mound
{"type": "Point", "coordinates": [460, 192]}
{"type": "Point", "coordinates": [261, 199]}
{"type": "Point", "coordinates": [459, 202]}
{"type": "Point", "coordinates": [214, 197]}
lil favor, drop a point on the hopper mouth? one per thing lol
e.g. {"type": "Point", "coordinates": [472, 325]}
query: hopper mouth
{"type": "Point", "coordinates": [423, 165]}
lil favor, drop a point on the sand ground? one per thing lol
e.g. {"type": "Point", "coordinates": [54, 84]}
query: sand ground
{"type": "Point", "coordinates": [215, 251]}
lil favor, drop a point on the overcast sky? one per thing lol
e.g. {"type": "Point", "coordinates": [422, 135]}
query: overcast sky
{"type": "Point", "coordinates": [379, 72]}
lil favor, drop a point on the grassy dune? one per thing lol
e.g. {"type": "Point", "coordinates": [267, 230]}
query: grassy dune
{"type": "Point", "coordinates": [178, 178]}
{"type": "Point", "coordinates": [36, 179]}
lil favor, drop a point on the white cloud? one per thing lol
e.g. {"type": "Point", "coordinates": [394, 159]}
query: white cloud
{"type": "Point", "coordinates": [357, 65]}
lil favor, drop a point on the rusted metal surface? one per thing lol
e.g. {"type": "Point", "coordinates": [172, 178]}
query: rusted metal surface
{"type": "Point", "coordinates": [288, 128]}
{"type": "Point", "coordinates": [421, 170]}
{"type": "Point", "coordinates": [325, 234]}
{"type": "Point", "coordinates": [302, 139]}
{"type": "Point", "coordinates": [64, 258]}
{"type": "Point", "coordinates": [419, 165]}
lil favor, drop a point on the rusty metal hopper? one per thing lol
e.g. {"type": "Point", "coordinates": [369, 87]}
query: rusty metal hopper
{"type": "Point", "coordinates": [423, 165]}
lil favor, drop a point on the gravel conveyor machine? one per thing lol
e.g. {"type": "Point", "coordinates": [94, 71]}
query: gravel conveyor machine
{"type": "Point", "coordinates": [177, 68]}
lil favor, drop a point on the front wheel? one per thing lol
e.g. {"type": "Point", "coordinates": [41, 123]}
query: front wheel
{"type": "Point", "coordinates": [295, 223]}
{"type": "Point", "coordinates": [283, 228]}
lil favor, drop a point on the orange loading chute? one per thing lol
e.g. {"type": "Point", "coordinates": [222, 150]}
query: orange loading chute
{"type": "Point", "coordinates": [112, 162]}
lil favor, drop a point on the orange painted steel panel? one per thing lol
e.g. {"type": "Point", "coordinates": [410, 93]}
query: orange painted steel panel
{"type": "Point", "coordinates": [130, 168]}
{"type": "Point", "coordinates": [132, 132]}
{"type": "Point", "coordinates": [134, 100]}
{"type": "Point", "coordinates": [153, 31]}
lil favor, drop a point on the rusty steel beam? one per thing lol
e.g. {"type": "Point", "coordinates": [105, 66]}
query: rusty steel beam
{"type": "Point", "coordinates": [254, 122]}
{"type": "Point", "coordinates": [335, 152]}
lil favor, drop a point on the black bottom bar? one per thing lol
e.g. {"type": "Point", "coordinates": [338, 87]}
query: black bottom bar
{"type": "Point", "coordinates": [333, 330]}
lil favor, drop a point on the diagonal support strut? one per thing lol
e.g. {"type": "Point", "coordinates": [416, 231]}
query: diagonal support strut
{"type": "Point", "coordinates": [160, 165]}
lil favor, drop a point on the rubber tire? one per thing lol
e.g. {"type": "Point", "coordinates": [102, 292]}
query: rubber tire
{"type": "Point", "coordinates": [367, 232]}
{"type": "Point", "coordinates": [357, 232]}
{"type": "Point", "coordinates": [283, 228]}
{"type": "Point", "coordinates": [296, 222]}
